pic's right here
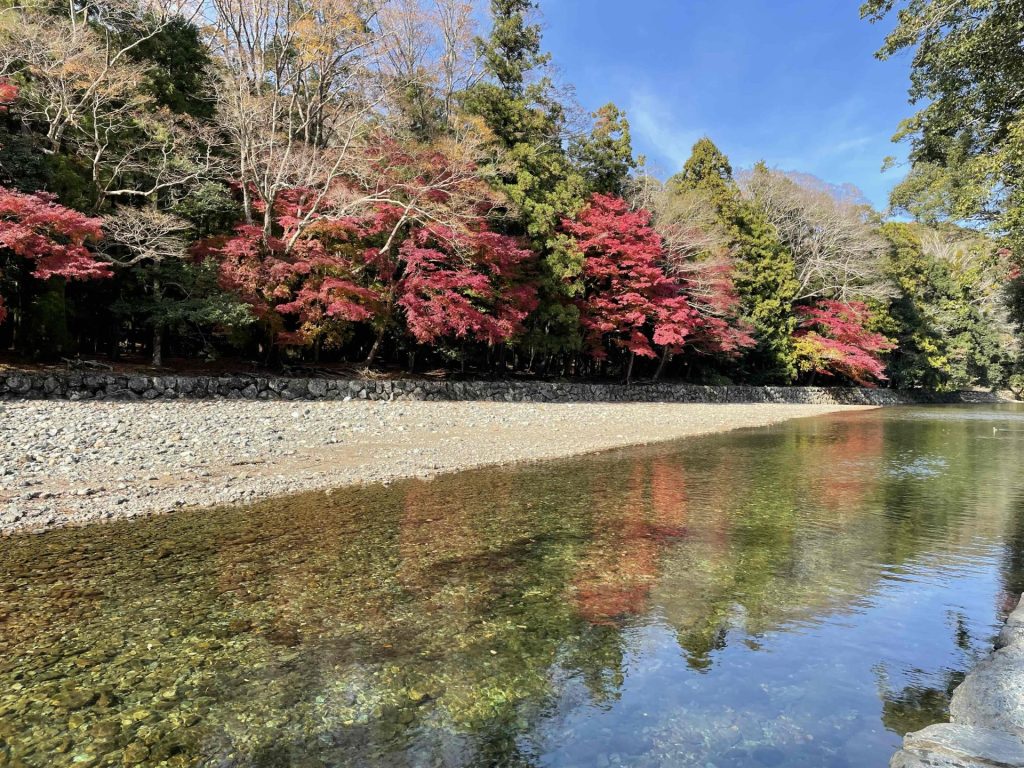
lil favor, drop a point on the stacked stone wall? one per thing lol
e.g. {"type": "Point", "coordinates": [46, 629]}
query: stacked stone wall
{"type": "Point", "coordinates": [110, 386]}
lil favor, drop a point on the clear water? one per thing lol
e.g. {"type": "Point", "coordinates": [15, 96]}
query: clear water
{"type": "Point", "coordinates": [794, 596]}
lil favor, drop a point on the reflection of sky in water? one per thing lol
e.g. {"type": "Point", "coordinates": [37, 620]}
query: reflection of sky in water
{"type": "Point", "coordinates": [809, 695]}
{"type": "Point", "coordinates": [793, 596]}
{"type": "Point", "coordinates": [917, 466]}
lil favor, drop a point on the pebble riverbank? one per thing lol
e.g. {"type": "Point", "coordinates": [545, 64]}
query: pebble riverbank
{"type": "Point", "coordinates": [70, 463]}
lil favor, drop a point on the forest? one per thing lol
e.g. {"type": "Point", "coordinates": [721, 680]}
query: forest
{"type": "Point", "coordinates": [407, 185]}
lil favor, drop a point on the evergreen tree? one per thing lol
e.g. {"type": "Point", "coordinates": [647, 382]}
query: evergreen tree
{"type": "Point", "coordinates": [708, 171]}
{"type": "Point", "coordinates": [606, 155]}
{"type": "Point", "coordinates": [950, 327]}
{"type": "Point", "coordinates": [519, 105]}
{"type": "Point", "coordinates": [178, 68]}
{"type": "Point", "coordinates": [765, 280]}
{"type": "Point", "coordinates": [765, 274]}
{"type": "Point", "coordinates": [919, 359]}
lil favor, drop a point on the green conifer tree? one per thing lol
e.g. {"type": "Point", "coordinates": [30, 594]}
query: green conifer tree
{"type": "Point", "coordinates": [765, 278]}
{"type": "Point", "coordinates": [520, 105]}
{"type": "Point", "coordinates": [765, 274]}
{"type": "Point", "coordinates": [708, 171]}
{"type": "Point", "coordinates": [606, 155]}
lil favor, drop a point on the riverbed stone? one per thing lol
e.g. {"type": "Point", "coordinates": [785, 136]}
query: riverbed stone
{"type": "Point", "coordinates": [135, 753]}
{"type": "Point", "coordinates": [949, 745]}
{"type": "Point", "coordinates": [1013, 631]}
{"type": "Point", "coordinates": [992, 695]}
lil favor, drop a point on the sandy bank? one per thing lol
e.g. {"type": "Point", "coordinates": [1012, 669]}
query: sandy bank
{"type": "Point", "coordinates": [66, 463]}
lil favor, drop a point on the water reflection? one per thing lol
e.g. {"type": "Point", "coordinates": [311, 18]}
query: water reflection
{"type": "Point", "coordinates": [797, 596]}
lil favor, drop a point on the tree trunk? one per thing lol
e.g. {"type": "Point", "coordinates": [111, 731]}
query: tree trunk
{"type": "Point", "coordinates": [158, 332]}
{"type": "Point", "coordinates": [629, 369]}
{"type": "Point", "coordinates": [268, 223]}
{"type": "Point", "coordinates": [158, 346]}
{"type": "Point", "coordinates": [661, 364]}
{"type": "Point", "coordinates": [375, 348]}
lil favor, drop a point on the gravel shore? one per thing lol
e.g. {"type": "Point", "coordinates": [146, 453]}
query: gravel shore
{"type": "Point", "coordinates": [66, 463]}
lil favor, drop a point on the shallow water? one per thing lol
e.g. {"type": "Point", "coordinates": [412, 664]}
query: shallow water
{"type": "Point", "coordinates": [800, 595]}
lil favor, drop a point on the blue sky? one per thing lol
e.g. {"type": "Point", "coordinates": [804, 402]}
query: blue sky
{"type": "Point", "coordinates": [791, 82]}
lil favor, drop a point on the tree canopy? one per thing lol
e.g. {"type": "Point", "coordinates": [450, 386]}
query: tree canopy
{"type": "Point", "coordinates": [397, 183]}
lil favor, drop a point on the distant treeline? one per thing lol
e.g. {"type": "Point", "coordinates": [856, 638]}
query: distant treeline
{"type": "Point", "coordinates": [379, 182]}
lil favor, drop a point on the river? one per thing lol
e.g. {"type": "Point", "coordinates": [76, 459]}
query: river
{"type": "Point", "coordinates": [799, 595]}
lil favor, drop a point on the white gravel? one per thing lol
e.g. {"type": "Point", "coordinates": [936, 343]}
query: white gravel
{"type": "Point", "coordinates": [66, 463]}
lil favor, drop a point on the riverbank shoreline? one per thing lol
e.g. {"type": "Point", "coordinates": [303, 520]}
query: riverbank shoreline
{"type": "Point", "coordinates": [73, 463]}
{"type": "Point", "coordinates": [986, 727]}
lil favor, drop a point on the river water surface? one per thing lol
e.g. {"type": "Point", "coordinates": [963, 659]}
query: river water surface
{"type": "Point", "coordinates": [800, 595]}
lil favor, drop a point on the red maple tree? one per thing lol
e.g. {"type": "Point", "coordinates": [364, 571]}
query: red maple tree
{"type": "Point", "coordinates": [8, 93]}
{"type": "Point", "coordinates": [51, 239]}
{"type": "Point", "coordinates": [629, 301]}
{"type": "Point", "coordinates": [313, 281]}
{"type": "Point", "coordinates": [832, 340]}
{"type": "Point", "coordinates": [464, 285]}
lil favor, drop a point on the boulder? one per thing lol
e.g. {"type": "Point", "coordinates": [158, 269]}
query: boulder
{"type": "Point", "coordinates": [992, 695]}
{"type": "Point", "coordinates": [1013, 632]}
{"type": "Point", "coordinates": [948, 745]}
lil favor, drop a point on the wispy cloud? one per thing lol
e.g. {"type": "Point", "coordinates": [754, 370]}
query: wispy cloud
{"type": "Point", "coordinates": [660, 132]}
{"type": "Point", "coordinates": [843, 147]}
{"type": "Point", "coordinates": [794, 84]}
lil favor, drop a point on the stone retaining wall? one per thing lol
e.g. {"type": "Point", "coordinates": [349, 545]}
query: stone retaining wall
{"type": "Point", "coordinates": [986, 713]}
{"type": "Point", "coordinates": [101, 386]}
{"type": "Point", "coordinates": [89, 386]}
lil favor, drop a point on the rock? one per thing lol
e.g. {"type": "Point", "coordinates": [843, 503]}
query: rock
{"type": "Point", "coordinates": [992, 695]}
{"type": "Point", "coordinates": [77, 699]}
{"type": "Point", "coordinates": [135, 753]}
{"type": "Point", "coordinates": [1013, 630]}
{"type": "Point", "coordinates": [948, 745]}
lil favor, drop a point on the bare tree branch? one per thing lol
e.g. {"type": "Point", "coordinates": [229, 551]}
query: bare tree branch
{"type": "Point", "coordinates": [835, 244]}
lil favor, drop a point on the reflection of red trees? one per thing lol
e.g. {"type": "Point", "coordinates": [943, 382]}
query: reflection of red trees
{"type": "Point", "coordinates": [668, 498]}
{"type": "Point", "coordinates": [843, 470]}
{"type": "Point", "coordinates": [617, 574]}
